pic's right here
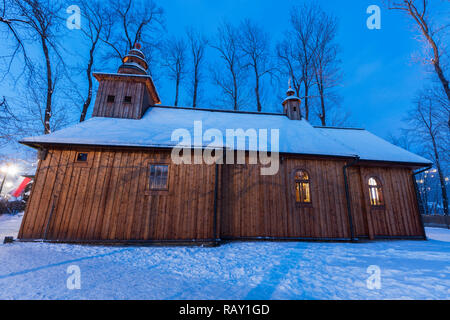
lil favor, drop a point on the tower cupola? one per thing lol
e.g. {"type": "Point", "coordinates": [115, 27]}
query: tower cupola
{"type": "Point", "coordinates": [134, 62]}
{"type": "Point", "coordinates": [291, 105]}
{"type": "Point", "coordinates": [129, 92]}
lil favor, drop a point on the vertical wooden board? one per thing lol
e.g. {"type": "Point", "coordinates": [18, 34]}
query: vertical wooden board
{"type": "Point", "coordinates": [331, 217]}
{"type": "Point", "coordinates": [111, 195]}
{"type": "Point", "coordinates": [387, 219]}
{"type": "Point", "coordinates": [34, 212]}
{"type": "Point", "coordinates": [390, 207]}
{"type": "Point", "coordinates": [86, 207]}
{"type": "Point", "coordinates": [28, 214]}
{"type": "Point", "coordinates": [402, 226]}
{"type": "Point", "coordinates": [47, 199]}
{"type": "Point", "coordinates": [354, 197]}
{"type": "Point", "coordinates": [133, 195]}
{"type": "Point", "coordinates": [178, 185]}
{"type": "Point", "coordinates": [60, 210]}
{"type": "Point", "coordinates": [410, 199]}
{"type": "Point", "coordinates": [365, 205]}
{"type": "Point", "coordinates": [207, 203]}
{"type": "Point", "coordinates": [124, 204]}
{"type": "Point", "coordinates": [99, 187]}
{"type": "Point", "coordinates": [344, 230]}
{"type": "Point", "coordinates": [139, 220]}
{"type": "Point", "coordinates": [97, 105]}
{"type": "Point", "coordinates": [407, 216]}
{"type": "Point", "coordinates": [284, 199]}
{"type": "Point", "coordinates": [190, 193]}
{"type": "Point", "coordinates": [77, 208]}
{"type": "Point", "coordinates": [65, 226]}
{"type": "Point", "coordinates": [104, 194]}
{"type": "Point", "coordinates": [63, 169]}
{"type": "Point", "coordinates": [120, 181]}
{"type": "Point", "coordinates": [225, 197]}
{"type": "Point", "coordinates": [291, 221]}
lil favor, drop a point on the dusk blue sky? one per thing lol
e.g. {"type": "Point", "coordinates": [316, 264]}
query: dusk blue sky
{"type": "Point", "coordinates": [380, 74]}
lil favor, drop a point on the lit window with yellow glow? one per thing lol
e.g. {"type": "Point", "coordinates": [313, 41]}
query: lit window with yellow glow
{"type": "Point", "coordinates": [302, 187]}
{"type": "Point", "coordinates": [375, 192]}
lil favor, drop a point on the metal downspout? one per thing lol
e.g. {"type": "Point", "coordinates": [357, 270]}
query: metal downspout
{"type": "Point", "coordinates": [347, 195]}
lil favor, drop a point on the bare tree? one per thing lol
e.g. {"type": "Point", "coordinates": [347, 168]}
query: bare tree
{"type": "Point", "coordinates": [418, 10]}
{"type": "Point", "coordinates": [94, 14]}
{"type": "Point", "coordinates": [133, 21]}
{"type": "Point", "coordinates": [288, 65]}
{"type": "Point", "coordinates": [174, 57]}
{"type": "Point", "coordinates": [8, 122]}
{"type": "Point", "coordinates": [255, 44]}
{"type": "Point", "coordinates": [424, 121]}
{"type": "Point", "coordinates": [13, 22]}
{"type": "Point", "coordinates": [38, 20]}
{"type": "Point", "coordinates": [304, 22]}
{"type": "Point", "coordinates": [197, 45]}
{"type": "Point", "coordinates": [325, 63]}
{"type": "Point", "coordinates": [231, 80]}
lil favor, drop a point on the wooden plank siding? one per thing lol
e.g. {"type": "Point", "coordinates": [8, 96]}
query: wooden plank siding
{"type": "Point", "coordinates": [255, 206]}
{"type": "Point", "coordinates": [108, 199]}
{"type": "Point", "coordinates": [119, 109]}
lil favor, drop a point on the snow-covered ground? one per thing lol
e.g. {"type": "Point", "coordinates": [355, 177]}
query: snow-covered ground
{"type": "Point", "coordinates": [263, 270]}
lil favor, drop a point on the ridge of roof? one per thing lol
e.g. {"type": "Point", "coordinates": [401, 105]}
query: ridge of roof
{"type": "Point", "coordinates": [338, 128]}
{"type": "Point", "coordinates": [220, 110]}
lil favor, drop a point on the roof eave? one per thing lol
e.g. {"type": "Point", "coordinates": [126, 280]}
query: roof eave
{"type": "Point", "coordinates": [37, 145]}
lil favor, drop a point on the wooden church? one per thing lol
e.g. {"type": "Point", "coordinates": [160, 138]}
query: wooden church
{"type": "Point", "coordinates": [111, 179]}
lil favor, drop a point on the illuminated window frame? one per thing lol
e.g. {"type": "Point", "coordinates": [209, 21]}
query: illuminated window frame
{"type": "Point", "coordinates": [376, 196]}
{"type": "Point", "coordinates": [302, 183]}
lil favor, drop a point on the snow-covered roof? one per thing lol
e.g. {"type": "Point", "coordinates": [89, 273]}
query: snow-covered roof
{"type": "Point", "coordinates": [295, 136]}
{"type": "Point", "coordinates": [369, 146]}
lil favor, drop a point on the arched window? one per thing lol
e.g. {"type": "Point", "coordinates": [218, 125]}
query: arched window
{"type": "Point", "coordinates": [375, 192]}
{"type": "Point", "coordinates": [302, 187]}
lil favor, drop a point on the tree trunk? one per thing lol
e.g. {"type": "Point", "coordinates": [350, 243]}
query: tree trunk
{"type": "Point", "coordinates": [48, 106]}
{"type": "Point", "coordinates": [194, 98]}
{"type": "Point", "coordinates": [235, 94]}
{"type": "Point", "coordinates": [258, 99]}
{"type": "Point", "coordinates": [88, 100]}
{"type": "Point", "coordinates": [177, 87]}
{"type": "Point", "coordinates": [306, 99]}
{"type": "Point", "coordinates": [441, 177]}
{"type": "Point", "coordinates": [323, 114]}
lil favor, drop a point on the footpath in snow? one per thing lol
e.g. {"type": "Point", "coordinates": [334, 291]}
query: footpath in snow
{"type": "Point", "coordinates": [255, 270]}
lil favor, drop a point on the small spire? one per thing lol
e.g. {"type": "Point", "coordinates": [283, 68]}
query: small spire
{"type": "Point", "coordinates": [134, 62]}
{"type": "Point", "coordinates": [291, 104]}
{"type": "Point", "coordinates": [290, 91]}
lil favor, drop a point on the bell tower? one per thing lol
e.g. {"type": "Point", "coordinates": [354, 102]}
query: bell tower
{"type": "Point", "coordinates": [291, 105]}
{"type": "Point", "coordinates": [127, 93]}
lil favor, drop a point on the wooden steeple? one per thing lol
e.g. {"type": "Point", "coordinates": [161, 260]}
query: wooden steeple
{"type": "Point", "coordinates": [291, 105]}
{"type": "Point", "coordinates": [127, 93]}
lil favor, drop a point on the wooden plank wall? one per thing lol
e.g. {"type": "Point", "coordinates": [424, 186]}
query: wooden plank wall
{"type": "Point", "coordinates": [119, 109]}
{"type": "Point", "coordinates": [264, 206]}
{"type": "Point", "coordinates": [108, 199]}
{"type": "Point", "coordinates": [400, 215]}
